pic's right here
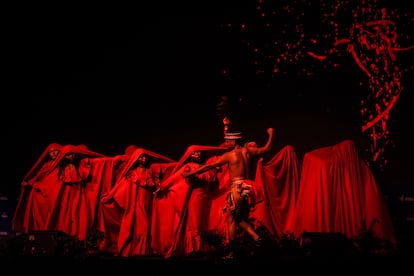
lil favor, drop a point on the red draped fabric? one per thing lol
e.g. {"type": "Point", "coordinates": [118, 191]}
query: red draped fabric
{"type": "Point", "coordinates": [164, 221]}
{"type": "Point", "coordinates": [103, 172]}
{"type": "Point", "coordinates": [192, 212]}
{"type": "Point", "coordinates": [191, 206]}
{"type": "Point", "coordinates": [127, 208]}
{"type": "Point", "coordinates": [66, 192]}
{"type": "Point", "coordinates": [276, 188]}
{"type": "Point", "coordinates": [32, 207]}
{"type": "Point", "coordinates": [339, 194]}
{"type": "Point", "coordinates": [332, 191]}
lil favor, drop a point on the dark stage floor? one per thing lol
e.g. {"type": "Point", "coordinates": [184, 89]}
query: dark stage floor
{"type": "Point", "coordinates": [325, 255]}
{"type": "Point", "coordinates": [49, 265]}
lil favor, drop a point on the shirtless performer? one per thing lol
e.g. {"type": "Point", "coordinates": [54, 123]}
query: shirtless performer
{"type": "Point", "coordinates": [237, 159]}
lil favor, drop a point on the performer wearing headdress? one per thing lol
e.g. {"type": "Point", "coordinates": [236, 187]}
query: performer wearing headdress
{"type": "Point", "coordinates": [237, 160]}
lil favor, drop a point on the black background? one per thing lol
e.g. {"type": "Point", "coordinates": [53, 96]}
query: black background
{"type": "Point", "coordinates": [152, 75]}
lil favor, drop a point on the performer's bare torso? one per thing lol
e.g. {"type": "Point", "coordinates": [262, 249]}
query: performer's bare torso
{"type": "Point", "coordinates": [238, 160]}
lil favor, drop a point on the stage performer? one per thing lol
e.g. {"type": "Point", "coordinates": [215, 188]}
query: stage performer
{"type": "Point", "coordinates": [238, 207]}
{"type": "Point", "coordinates": [127, 208]}
{"type": "Point", "coordinates": [32, 207]}
{"type": "Point", "coordinates": [191, 201]}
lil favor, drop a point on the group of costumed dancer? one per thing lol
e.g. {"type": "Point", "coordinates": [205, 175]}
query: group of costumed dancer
{"type": "Point", "coordinates": [214, 199]}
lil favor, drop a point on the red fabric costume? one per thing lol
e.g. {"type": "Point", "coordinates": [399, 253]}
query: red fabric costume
{"type": "Point", "coordinates": [66, 188]}
{"type": "Point", "coordinates": [127, 208]}
{"type": "Point", "coordinates": [191, 201]}
{"type": "Point", "coordinates": [32, 207]}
